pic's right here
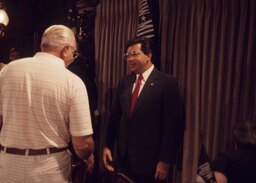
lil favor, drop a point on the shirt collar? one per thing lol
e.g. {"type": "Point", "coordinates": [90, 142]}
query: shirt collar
{"type": "Point", "coordinates": [146, 73]}
{"type": "Point", "coordinates": [49, 57]}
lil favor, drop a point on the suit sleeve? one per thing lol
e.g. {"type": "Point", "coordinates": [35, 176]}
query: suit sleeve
{"type": "Point", "coordinates": [113, 119]}
{"type": "Point", "coordinates": [172, 130]}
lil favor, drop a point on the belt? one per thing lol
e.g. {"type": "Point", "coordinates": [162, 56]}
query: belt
{"type": "Point", "coordinates": [31, 152]}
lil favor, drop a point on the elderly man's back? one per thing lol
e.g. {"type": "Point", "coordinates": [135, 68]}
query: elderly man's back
{"type": "Point", "coordinates": [42, 107]}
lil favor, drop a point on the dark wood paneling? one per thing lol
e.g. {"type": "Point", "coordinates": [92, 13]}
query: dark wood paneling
{"type": "Point", "coordinates": [28, 19]}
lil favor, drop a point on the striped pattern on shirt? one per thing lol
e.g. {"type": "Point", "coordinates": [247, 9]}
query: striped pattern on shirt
{"type": "Point", "coordinates": [42, 103]}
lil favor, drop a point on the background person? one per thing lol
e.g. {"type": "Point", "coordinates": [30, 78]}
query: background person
{"type": "Point", "coordinates": [42, 106]}
{"type": "Point", "coordinates": [14, 54]}
{"type": "Point", "coordinates": [238, 166]}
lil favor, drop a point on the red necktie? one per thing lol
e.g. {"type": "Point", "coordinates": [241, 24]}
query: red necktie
{"type": "Point", "coordinates": [135, 92]}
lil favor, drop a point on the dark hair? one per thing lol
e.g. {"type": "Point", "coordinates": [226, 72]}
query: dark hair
{"type": "Point", "coordinates": [245, 133]}
{"type": "Point", "coordinates": [145, 44]}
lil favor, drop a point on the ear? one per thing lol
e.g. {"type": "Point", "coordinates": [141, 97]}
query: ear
{"type": "Point", "coordinates": [64, 53]}
{"type": "Point", "coordinates": [149, 55]}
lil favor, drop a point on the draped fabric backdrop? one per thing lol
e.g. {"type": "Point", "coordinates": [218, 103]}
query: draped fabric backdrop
{"type": "Point", "coordinates": [115, 23]}
{"type": "Point", "coordinates": [209, 46]}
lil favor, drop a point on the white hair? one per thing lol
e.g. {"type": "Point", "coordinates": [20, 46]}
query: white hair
{"type": "Point", "coordinates": [56, 37]}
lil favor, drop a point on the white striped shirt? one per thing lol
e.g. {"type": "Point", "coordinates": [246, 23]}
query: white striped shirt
{"type": "Point", "coordinates": [42, 103]}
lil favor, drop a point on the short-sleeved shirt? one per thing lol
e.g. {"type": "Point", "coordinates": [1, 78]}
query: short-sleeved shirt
{"type": "Point", "coordinates": [42, 103]}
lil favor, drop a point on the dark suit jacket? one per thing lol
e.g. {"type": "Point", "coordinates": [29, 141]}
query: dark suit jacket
{"type": "Point", "coordinates": [152, 132]}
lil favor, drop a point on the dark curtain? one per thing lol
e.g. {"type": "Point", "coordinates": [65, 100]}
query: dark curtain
{"type": "Point", "coordinates": [209, 46]}
{"type": "Point", "coordinates": [115, 23]}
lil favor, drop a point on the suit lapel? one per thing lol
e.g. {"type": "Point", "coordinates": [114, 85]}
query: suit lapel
{"type": "Point", "coordinates": [127, 94]}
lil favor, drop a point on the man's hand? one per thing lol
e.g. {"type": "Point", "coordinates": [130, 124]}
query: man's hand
{"type": "Point", "coordinates": [90, 163]}
{"type": "Point", "coordinates": [162, 170]}
{"type": "Point", "coordinates": [107, 157]}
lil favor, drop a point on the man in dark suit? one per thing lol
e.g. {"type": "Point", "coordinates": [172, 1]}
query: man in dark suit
{"type": "Point", "coordinates": [148, 136]}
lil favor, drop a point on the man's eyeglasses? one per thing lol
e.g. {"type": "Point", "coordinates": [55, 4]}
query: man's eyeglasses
{"type": "Point", "coordinates": [75, 53]}
{"type": "Point", "coordinates": [131, 53]}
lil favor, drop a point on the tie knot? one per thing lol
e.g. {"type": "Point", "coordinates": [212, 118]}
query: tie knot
{"type": "Point", "coordinates": [140, 77]}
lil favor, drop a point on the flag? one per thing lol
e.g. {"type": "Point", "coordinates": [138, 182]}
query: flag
{"type": "Point", "coordinates": [145, 26]}
{"type": "Point", "coordinates": [204, 171]}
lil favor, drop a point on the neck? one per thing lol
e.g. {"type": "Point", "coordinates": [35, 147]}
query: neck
{"type": "Point", "coordinates": [149, 64]}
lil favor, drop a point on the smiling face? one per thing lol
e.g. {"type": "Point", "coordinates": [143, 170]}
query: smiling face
{"type": "Point", "coordinates": [137, 60]}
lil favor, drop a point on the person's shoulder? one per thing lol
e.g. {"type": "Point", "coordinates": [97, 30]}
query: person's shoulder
{"type": "Point", "coordinates": [21, 61]}
{"type": "Point", "coordinates": [127, 77]}
{"type": "Point", "coordinates": [13, 64]}
{"type": "Point", "coordinates": [126, 81]}
{"type": "Point", "coordinates": [73, 76]}
{"type": "Point", "coordinates": [2, 65]}
{"type": "Point", "coordinates": [164, 75]}
{"type": "Point", "coordinates": [166, 78]}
